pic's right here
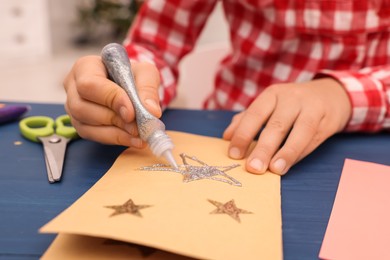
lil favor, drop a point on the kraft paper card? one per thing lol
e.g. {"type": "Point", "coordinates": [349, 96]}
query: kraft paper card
{"type": "Point", "coordinates": [359, 225]}
{"type": "Point", "coordinates": [210, 208]}
{"type": "Point", "coordinates": [70, 246]}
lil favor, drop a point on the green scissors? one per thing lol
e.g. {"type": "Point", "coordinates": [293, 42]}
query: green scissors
{"type": "Point", "coordinates": [54, 135]}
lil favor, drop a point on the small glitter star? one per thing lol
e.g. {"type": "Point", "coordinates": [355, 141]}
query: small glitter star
{"type": "Point", "coordinates": [228, 208]}
{"type": "Point", "coordinates": [128, 207]}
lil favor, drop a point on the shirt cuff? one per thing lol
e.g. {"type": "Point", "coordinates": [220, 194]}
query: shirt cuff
{"type": "Point", "coordinates": [367, 99]}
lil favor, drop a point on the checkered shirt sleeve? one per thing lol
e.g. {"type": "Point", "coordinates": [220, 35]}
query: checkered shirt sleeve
{"type": "Point", "coordinates": [163, 32]}
{"type": "Point", "coordinates": [276, 42]}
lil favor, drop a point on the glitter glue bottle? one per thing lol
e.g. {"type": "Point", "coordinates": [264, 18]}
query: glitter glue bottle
{"type": "Point", "coordinates": [150, 128]}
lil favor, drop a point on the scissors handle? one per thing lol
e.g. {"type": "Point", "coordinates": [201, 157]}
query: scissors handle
{"type": "Point", "coordinates": [36, 126]}
{"type": "Point", "coordinates": [64, 127]}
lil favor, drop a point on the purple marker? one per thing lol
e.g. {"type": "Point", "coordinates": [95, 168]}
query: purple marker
{"type": "Point", "coordinates": [11, 112]}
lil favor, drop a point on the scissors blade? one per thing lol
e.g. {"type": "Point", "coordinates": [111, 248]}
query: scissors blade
{"type": "Point", "coordinates": [53, 171]}
{"type": "Point", "coordinates": [54, 147]}
{"type": "Point", "coordinates": [49, 174]}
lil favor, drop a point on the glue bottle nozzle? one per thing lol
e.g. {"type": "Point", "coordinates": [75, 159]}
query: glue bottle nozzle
{"type": "Point", "coordinates": [169, 157]}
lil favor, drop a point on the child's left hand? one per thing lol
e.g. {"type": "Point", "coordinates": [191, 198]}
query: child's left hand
{"type": "Point", "coordinates": [297, 118]}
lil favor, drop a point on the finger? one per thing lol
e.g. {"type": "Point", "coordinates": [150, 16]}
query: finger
{"type": "Point", "coordinates": [107, 135]}
{"type": "Point", "coordinates": [272, 136]}
{"type": "Point", "coordinates": [91, 113]}
{"type": "Point", "coordinates": [324, 133]}
{"type": "Point", "coordinates": [305, 128]}
{"type": "Point", "coordinates": [97, 88]}
{"type": "Point", "coordinates": [96, 118]}
{"type": "Point", "coordinates": [94, 114]}
{"type": "Point", "coordinates": [147, 80]}
{"type": "Point", "coordinates": [92, 84]}
{"type": "Point", "coordinates": [229, 131]}
{"type": "Point", "coordinates": [249, 125]}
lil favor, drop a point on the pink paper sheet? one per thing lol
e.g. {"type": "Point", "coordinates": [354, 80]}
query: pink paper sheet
{"type": "Point", "coordinates": [359, 226]}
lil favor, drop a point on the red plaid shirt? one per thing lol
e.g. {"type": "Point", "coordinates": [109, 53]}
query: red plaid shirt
{"type": "Point", "coordinates": [277, 41]}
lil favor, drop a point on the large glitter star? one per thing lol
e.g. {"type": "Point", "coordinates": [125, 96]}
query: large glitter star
{"type": "Point", "coordinates": [127, 207]}
{"type": "Point", "coordinates": [228, 208]}
{"type": "Point", "coordinates": [197, 172]}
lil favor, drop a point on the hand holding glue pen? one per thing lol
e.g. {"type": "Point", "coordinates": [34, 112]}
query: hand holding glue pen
{"type": "Point", "coordinates": [150, 128]}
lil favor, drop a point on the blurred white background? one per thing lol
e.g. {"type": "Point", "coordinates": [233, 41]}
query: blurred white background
{"type": "Point", "coordinates": [37, 50]}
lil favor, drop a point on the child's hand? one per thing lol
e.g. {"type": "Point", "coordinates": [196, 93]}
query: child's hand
{"type": "Point", "coordinates": [101, 110]}
{"type": "Point", "coordinates": [297, 117]}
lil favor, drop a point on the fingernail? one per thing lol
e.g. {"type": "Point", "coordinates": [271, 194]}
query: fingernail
{"type": "Point", "coordinates": [131, 129]}
{"type": "Point", "coordinates": [279, 166]}
{"type": "Point", "coordinates": [152, 104]}
{"type": "Point", "coordinates": [123, 113]}
{"type": "Point", "coordinates": [136, 142]}
{"type": "Point", "coordinates": [257, 165]}
{"type": "Point", "coordinates": [235, 153]}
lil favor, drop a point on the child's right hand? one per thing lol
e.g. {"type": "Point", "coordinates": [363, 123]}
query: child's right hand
{"type": "Point", "coordinates": [100, 110]}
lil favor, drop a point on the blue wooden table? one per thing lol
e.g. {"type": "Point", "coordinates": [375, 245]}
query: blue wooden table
{"type": "Point", "coordinates": [28, 201]}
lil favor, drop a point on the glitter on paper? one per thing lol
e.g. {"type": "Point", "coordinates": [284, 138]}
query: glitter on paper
{"type": "Point", "coordinates": [128, 207]}
{"type": "Point", "coordinates": [228, 208]}
{"type": "Point", "coordinates": [197, 172]}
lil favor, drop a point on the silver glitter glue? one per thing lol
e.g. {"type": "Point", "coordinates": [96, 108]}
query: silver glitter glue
{"type": "Point", "coordinates": [197, 172]}
{"type": "Point", "coordinates": [150, 128]}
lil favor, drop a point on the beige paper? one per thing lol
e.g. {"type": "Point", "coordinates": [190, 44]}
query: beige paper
{"type": "Point", "coordinates": [180, 217]}
{"type": "Point", "coordinates": [69, 246]}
